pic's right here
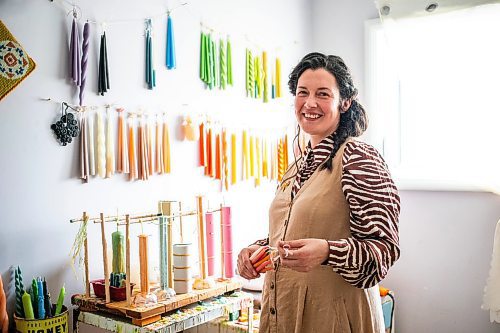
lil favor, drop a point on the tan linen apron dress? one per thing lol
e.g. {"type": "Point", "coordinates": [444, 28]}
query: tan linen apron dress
{"type": "Point", "coordinates": [319, 300]}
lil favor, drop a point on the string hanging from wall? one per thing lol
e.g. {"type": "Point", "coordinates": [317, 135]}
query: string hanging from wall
{"type": "Point", "coordinates": [150, 71]}
{"type": "Point", "coordinates": [170, 54]}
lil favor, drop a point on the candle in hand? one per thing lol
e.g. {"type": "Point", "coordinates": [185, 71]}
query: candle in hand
{"type": "Point", "coordinates": [60, 301]}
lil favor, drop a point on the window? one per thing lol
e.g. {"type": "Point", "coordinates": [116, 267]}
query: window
{"type": "Point", "coordinates": [433, 87]}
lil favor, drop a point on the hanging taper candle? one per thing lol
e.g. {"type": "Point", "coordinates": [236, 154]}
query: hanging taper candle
{"type": "Point", "coordinates": [170, 57]}
{"type": "Point", "coordinates": [229, 63]}
{"type": "Point", "coordinates": [131, 150]}
{"type": "Point", "coordinates": [159, 166]}
{"type": "Point", "coordinates": [218, 157]}
{"type": "Point", "coordinates": [75, 56]}
{"type": "Point", "coordinates": [234, 175]}
{"type": "Point", "coordinates": [278, 78]}
{"type": "Point", "coordinates": [103, 74]}
{"type": "Point", "coordinates": [166, 147]}
{"type": "Point", "coordinates": [83, 65]}
{"type": "Point", "coordinates": [246, 156]}
{"type": "Point", "coordinates": [91, 144]}
{"type": "Point", "coordinates": [265, 79]}
{"type": "Point", "coordinates": [149, 141]}
{"type": "Point", "coordinates": [84, 157]}
{"type": "Point", "coordinates": [252, 156]}
{"type": "Point", "coordinates": [222, 65]}
{"type": "Point", "coordinates": [202, 57]}
{"type": "Point", "coordinates": [225, 161]}
{"type": "Point", "coordinates": [101, 146]}
{"type": "Point", "coordinates": [201, 146]}
{"type": "Point", "coordinates": [150, 72]}
{"type": "Point", "coordinates": [110, 146]}
{"type": "Point", "coordinates": [258, 161]}
{"type": "Point", "coordinates": [122, 164]}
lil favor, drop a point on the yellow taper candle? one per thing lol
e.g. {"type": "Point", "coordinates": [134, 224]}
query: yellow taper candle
{"type": "Point", "coordinates": [233, 159]}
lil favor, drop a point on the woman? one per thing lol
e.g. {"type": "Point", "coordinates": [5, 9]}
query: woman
{"type": "Point", "coordinates": [334, 218]}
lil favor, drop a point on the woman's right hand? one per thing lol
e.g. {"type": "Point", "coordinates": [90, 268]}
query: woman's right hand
{"type": "Point", "coordinates": [245, 267]}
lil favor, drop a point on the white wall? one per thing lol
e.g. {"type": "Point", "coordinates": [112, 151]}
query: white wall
{"type": "Point", "coordinates": [39, 189]}
{"type": "Point", "coordinates": [446, 236]}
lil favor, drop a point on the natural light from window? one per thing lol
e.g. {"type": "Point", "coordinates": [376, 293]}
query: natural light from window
{"type": "Point", "coordinates": [433, 88]}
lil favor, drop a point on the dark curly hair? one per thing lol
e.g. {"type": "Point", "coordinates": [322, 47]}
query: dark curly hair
{"type": "Point", "coordinates": [354, 121]}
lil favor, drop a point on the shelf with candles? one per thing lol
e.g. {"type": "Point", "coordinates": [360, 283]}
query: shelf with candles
{"type": "Point", "coordinates": [144, 306]}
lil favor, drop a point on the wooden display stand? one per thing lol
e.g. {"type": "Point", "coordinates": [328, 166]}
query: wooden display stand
{"type": "Point", "coordinates": [142, 315]}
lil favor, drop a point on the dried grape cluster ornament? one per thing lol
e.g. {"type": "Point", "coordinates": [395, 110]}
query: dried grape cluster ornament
{"type": "Point", "coordinates": [66, 128]}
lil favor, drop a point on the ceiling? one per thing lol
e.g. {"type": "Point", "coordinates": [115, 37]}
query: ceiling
{"type": "Point", "coordinates": [405, 8]}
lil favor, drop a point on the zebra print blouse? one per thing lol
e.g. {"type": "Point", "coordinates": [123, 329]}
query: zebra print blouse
{"type": "Point", "coordinates": [364, 258]}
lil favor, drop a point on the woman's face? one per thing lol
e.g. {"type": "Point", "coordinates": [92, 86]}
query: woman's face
{"type": "Point", "coordinates": [317, 104]}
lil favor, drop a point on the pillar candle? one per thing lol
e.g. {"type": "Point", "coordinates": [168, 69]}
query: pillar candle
{"type": "Point", "coordinates": [143, 263]}
{"type": "Point", "coordinates": [118, 245]}
{"type": "Point", "coordinates": [27, 306]}
{"type": "Point", "coordinates": [233, 159]}
{"type": "Point", "coordinates": [209, 222]}
{"type": "Point", "coordinates": [228, 241]}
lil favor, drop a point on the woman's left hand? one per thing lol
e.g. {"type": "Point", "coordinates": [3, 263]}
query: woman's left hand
{"type": "Point", "coordinates": [303, 255]}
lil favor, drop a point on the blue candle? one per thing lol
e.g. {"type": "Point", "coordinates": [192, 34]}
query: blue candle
{"type": "Point", "coordinates": [41, 305]}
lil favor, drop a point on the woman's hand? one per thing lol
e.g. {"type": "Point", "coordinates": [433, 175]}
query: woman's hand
{"type": "Point", "coordinates": [245, 268]}
{"type": "Point", "coordinates": [302, 255]}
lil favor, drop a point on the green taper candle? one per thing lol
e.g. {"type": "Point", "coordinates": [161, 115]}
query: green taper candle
{"type": "Point", "coordinates": [60, 301]}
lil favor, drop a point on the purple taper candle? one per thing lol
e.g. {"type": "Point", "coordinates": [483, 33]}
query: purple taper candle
{"type": "Point", "coordinates": [85, 54]}
{"type": "Point", "coordinates": [74, 60]}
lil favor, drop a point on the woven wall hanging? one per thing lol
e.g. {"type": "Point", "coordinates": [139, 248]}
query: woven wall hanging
{"type": "Point", "coordinates": [15, 64]}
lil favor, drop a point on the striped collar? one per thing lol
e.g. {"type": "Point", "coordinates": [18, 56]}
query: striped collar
{"type": "Point", "coordinates": [321, 151]}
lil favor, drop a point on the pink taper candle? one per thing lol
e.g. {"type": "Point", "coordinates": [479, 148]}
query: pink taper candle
{"type": "Point", "coordinates": [228, 242]}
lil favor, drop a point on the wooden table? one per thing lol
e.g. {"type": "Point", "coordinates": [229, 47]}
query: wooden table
{"type": "Point", "coordinates": [175, 321]}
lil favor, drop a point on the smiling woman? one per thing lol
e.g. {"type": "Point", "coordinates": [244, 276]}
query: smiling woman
{"type": "Point", "coordinates": [336, 226]}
